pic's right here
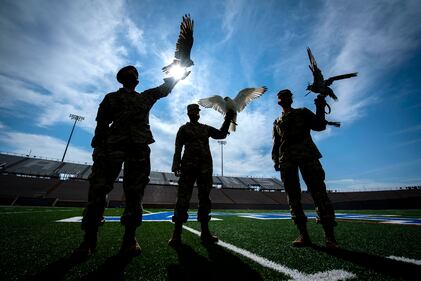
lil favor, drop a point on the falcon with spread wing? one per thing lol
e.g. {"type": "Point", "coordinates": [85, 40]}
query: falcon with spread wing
{"type": "Point", "coordinates": [320, 85]}
{"type": "Point", "coordinates": [223, 105]}
{"type": "Point", "coordinates": [182, 49]}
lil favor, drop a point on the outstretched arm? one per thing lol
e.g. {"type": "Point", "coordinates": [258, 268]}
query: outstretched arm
{"type": "Point", "coordinates": [318, 121]}
{"type": "Point", "coordinates": [164, 89]}
{"type": "Point", "coordinates": [223, 131]}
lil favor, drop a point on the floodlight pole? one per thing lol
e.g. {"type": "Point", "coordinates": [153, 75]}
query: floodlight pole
{"type": "Point", "coordinates": [76, 118]}
{"type": "Point", "coordinates": [222, 143]}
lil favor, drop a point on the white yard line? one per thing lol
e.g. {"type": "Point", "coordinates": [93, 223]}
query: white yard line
{"type": "Point", "coordinates": [293, 273]}
{"type": "Point", "coordinates": [408, 260]}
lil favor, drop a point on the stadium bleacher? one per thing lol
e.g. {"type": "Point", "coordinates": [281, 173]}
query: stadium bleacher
{"type": "Point", "coordinates": [32, 181]}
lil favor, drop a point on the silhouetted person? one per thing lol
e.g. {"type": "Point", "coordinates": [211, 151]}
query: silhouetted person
{"type": "Point", "coordinates": [293, 150]}
{"type": "Point", "coordinates": [122, 135]}
{"type": "Point", "coordinates": [195, 166]}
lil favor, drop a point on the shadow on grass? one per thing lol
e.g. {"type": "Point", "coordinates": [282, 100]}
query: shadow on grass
{"type": "Point", "coordinates": [112, 269]}
{"type": "Point", "coordinates": [383, 265]}
{"type": "Point", "coordinates": [54, 271]}
{"type": "Point", "coordinates": [221, 265]}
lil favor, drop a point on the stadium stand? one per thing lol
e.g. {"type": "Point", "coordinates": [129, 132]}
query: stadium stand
{"type": "Point", "coordinates": [266, 183]}
{"type": "Point", "coordinates": [71, 169]}
{"type": "Point", "coordinates": [35, 167]}
{"type": "Point", "coordinates": [31, 181]}
{"type": "Point", "coordinates": [85, 173]}
{"type": "Point", "coordinates": [70, 190]}
{"type": "Point", "coordinates": [231, 182]}
{"type": "Point", "coordinates": [160, 196]}
{"type": "Point", "coordinates": [170, 178]}
{"type": "Point", "coordinates": [157, 178]}
{"type": "Point", "coordinates": [6, 160]}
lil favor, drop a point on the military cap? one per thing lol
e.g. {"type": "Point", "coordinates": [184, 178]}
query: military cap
{"type": "Point", "coordinates": [193, 107]}
{"type": "Point", "coordinates": [284, 92]}
{"type": "Point", "coordinates": [121, 74]}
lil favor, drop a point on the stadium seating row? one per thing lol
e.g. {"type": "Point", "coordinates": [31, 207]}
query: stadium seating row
{"type": "Point", "coordinates": [22, 165]}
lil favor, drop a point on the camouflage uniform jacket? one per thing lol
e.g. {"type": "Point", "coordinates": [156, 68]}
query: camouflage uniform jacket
{"type": "Point", "coordinates": [128, 114]}
{"type": "Point", "coordinates": [291, 135]}
{"type": "Point", "coordinates": [195, 139]}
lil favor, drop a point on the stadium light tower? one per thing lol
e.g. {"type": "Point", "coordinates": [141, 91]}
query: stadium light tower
{"type": "Point", "coordinates": [222, 143]}
{"type": "Point", "coordinates": [76, 118]}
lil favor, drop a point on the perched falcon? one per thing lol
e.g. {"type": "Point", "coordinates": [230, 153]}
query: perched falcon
{"type": "Point", "coordinates": [183, 47]}
{"type": "Point", "coordinates": [244, 97]}
{"type": "Point", "coordinates": [320, 85]}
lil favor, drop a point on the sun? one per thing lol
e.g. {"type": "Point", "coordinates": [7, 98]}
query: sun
{"type": "Point", "coordinates": [177, 71]}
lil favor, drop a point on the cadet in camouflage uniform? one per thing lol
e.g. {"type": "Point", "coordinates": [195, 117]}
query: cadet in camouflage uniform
{"type": "Point", "coordinates": [293, 150]}
{"type": "Point", "coordinates": [122, 135]}
{"type": "Point", "coordinates": [196, 165]}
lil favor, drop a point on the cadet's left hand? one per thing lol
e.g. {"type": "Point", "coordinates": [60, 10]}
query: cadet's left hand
{"type": "Point", "coordinates": [230, 114]}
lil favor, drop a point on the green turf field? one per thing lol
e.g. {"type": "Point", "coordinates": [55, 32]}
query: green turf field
{"type": "Point", "coordinates": [36, 247]}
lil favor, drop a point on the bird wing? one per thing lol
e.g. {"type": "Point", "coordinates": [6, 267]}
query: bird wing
{"type": "Point", "coordinates": [339, 77]}
{"type": "Point", "coordinates": [216, 102]}
{"type": "Point", "coordinates": [184, 45]}
{"type": "Point", "coordinates": [245, 96]}
{"type": "Point", "coordinates": [317, 74]}
{"type": "Point", "coordinates": [185, 39]}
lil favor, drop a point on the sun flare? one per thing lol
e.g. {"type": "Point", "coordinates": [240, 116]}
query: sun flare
{"type": "Point", "coordinates": [177, 71]}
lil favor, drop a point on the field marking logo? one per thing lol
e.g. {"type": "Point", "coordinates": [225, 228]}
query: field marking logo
{"type": "Point", "coordinates": [387, 219]}
{"type": "Point", "coordinates": [150, 217]}
{"type": "Point", "coordinates": [166, 216]}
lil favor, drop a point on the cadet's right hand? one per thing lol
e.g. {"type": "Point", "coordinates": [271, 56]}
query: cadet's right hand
{"type": "Point", "coordinates": [176, 169]}
{"type": "Point", "coordinates": [277, 168]}
{"type": "Point", "coordinates": [177, 172]}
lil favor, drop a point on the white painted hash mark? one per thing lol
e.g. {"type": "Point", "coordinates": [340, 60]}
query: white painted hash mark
{"type": "Point", "coordinates": [293, 273]}
{"type": "Point", "coordinates": [408, 260]}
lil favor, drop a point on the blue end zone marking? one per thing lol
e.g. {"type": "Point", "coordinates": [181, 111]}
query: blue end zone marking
{"type": "Point", "coordinates": [161, 216]}
{"type": "Point", "coordinates": [167, 216]}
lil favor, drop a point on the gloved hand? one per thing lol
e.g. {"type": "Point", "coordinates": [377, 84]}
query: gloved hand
{"type": "Point", "coordinates": [320, 102]}
{"type": "Point", "coordinates": [277, 168]}
{"type": "Point", "coordinates": [230, 114]}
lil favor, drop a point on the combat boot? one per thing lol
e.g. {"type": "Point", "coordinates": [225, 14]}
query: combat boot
{"type": "Point", "coordinates": [303, 239]}
{"type": "Point", "coordinates": [130, 247]}
{"type": "Point", "coordinates": [206, 237]}
{"type": "Point", "coordinates": [175, 240]}
{"type": "Point", "coordinates": [330, 241]}
{"type": "Point", "coordinates": [87, 247]}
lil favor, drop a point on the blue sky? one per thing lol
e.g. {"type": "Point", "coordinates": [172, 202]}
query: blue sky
{"type": "Point", "coordinates": [61, 57]}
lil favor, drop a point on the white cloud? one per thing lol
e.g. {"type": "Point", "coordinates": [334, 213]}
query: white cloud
{"type": "Point", "coordinates": [369, 38]}
{"type": "Point", "coordinates": [64, 66]}
{"type": "Point", "coordinates": [43, 146]}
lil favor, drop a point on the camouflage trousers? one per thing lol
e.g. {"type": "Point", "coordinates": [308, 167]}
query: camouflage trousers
{"type": "Point", "coordinates": [105, 170]}
{"type": "Point", "coordinates": [314, 177]}
{"type": "Point", "coordinates": [191, 173]}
